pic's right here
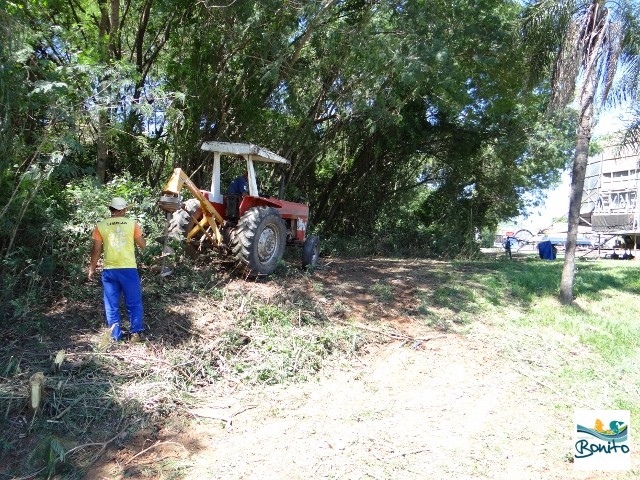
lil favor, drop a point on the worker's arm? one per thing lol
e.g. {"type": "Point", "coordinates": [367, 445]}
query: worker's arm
{"type": "Point", "coordinates": [95, 256]}
{"type": "Point", "coordinates": [138, 237]}
{"type": "Point", "coordinates": [141, 242]}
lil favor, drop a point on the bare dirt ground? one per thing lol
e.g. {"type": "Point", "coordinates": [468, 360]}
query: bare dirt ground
{"type": "Point", "coordinates": [454, 404]}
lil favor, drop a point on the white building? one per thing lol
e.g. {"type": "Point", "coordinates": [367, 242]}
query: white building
{"type": "Point", "coordinates": [610, 198]}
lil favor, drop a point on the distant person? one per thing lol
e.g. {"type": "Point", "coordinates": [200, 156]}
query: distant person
{"type": "Point", "coordinates": [118, 236]}
{"type": "Point", "coordinates": [507, 247]}
{"type": "Point", "coordinates": [614, 255]}
{"type": "Point", "coordinates": [240, 185]}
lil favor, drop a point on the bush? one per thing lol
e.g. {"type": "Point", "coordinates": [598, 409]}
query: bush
{"type": "Point", "coordinates": [51, 248]}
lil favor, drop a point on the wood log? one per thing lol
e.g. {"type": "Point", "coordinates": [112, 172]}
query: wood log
{"type": "Point", "coordinates": [57, 361]}
{"type": "Point", "coordinates": [36, 390]}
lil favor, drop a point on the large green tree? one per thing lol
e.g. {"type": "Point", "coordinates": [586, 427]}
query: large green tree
{"type": "Point", "coordinates": [397, 116]}
{"type": "Point", "coordinates": [369, 100]}
{"type": "Point", "coordinates": [111, 54]}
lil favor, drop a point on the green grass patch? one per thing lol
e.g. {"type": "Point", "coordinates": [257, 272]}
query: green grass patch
{"type": "Point", "coordinates": [596, 340]}
{"type": "Point", "coordinates": [382, 291]}
{"type": "Point", "coordinates": [587, 351]}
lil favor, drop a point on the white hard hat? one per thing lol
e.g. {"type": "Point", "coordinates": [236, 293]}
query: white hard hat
{"type": "Point", "coordinates": [118, 203]}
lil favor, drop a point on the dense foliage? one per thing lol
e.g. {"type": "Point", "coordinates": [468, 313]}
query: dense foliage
{"type": "Point", "coordinates": [408, 124]}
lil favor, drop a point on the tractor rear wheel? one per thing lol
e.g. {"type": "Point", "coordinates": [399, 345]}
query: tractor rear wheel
{"type": "Point", "coordinates": [259, 239]}
{"type": "Point", "coordinates": [310, 251]}
{"type": "Point", "coordinates": [183, 221]}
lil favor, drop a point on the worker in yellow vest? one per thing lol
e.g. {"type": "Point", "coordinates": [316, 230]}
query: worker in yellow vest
{"type": "Point", "coordinates": [117, 236]}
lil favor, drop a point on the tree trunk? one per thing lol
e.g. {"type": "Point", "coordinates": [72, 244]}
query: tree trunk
{"type": "Point", "coordinates": [109, 25]}
{"type": "Point", "coordinates": [583, 138]}
{"type": "Point", "coordinates": [114, 26]}
{"type": "Point", "coordinates": [101, 148]}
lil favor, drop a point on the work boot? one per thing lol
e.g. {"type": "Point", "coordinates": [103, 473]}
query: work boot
{"type": "Point", "coordinates": [106, 338]}
{"type": "Point", "coordinates": [135, 338]}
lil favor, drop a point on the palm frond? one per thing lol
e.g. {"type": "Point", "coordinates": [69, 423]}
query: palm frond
{"type": "Point", "coordinates": [566, 69]}
{"type": "Point", "coordinates": [620, 86]}
{"type": "Point", "coordinates": [610, 56]}
{"type": "Point", "coordinates": [543, 26]}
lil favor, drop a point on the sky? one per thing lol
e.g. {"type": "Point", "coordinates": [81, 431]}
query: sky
{"type": "Point", "coordinates": [555, 205]}
{"type": "Point", "coordinates": [557, 201]}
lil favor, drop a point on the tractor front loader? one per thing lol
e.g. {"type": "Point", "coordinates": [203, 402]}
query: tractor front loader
{"type": "Point", "coordinates": [252, 229]}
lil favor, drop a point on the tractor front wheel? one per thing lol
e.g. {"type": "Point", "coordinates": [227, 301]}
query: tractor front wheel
{"type": "Point", "coordinates": [259, 239]}
{"type": "Point", "coordinates": [310, 251]}
{"type": "Point", "coordinates": [183, 221]}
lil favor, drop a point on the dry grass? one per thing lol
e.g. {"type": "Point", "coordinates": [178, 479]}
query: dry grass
{"type": "Point", "coordinates": [211, 332]}
{"type": "Point", "coordinates": [105, 392]}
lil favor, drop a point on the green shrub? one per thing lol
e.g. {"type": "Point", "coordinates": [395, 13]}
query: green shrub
{"type": "Point", "coordinates": [51, 252]}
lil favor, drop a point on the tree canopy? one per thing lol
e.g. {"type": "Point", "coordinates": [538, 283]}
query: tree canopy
{"type": "Point", "coordinates": [401, 119]}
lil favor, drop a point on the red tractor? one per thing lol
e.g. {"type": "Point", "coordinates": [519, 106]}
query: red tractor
{"type": "Point", "coordinates": [250, 228]}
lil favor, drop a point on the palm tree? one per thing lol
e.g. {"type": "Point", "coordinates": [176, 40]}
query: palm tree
{"type": "Point", "coordinates": [583, 44]}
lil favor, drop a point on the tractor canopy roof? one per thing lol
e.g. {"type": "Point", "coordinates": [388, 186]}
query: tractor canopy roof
{"type": "Point", "coordinates": [244, 149]}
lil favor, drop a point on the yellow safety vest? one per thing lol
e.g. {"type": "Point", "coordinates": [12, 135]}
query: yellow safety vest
{"type": "Point", "coordinates": [117, 238]}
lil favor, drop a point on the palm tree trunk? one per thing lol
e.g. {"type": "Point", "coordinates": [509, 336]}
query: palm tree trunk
{"type": "Point", "coordinates": [583, 138]}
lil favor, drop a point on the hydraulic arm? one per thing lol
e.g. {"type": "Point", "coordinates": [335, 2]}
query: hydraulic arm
{"type": "Point", "coordinates": [170, 201]}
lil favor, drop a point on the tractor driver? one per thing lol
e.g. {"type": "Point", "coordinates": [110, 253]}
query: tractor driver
{"type": "Point", "coordinates": [240, 185]}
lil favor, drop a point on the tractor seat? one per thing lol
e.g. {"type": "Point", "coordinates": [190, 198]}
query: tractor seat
{"type": "Point", "coordinates": [232, 202]}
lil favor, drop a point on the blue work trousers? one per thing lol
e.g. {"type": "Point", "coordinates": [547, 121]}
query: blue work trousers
{"type": "Point", "coordinates": [118, 282]}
